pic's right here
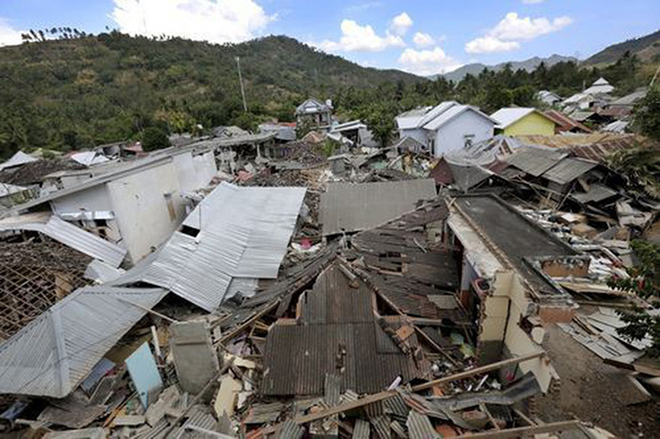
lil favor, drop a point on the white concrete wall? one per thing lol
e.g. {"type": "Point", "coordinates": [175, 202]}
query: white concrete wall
{"type": "Point", "coordinates": [93, 199]}
{"type": "Point", "coordinates": [145, 216]}
{"type": "Point", "coordinates": [453, 134]}
{"type": "Point", "coordinates": [194, 172]}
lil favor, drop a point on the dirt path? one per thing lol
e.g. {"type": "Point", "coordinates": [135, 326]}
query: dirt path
{"type": "Point", "coordinates": [594, 392]}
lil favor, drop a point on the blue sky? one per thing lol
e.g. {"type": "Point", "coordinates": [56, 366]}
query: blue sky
{"type": "Point", "coordinates": [420, 36]}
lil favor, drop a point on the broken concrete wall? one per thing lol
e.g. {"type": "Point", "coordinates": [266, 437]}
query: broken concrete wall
{"type": "Point", "coordinates": [195, 358]}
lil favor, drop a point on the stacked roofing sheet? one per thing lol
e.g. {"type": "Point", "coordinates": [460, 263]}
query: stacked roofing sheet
{"type": "Point", "coordinates": [55, 352]}
{"type": "Point", "coordinates": [69, 235]}
{"type": "Point", "coordinates": [240, 232]}
{"type": "Point", "coordinates": [349, 207]}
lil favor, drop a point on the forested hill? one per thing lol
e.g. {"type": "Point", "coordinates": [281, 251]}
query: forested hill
{"type": "Point", "coordinates": [646, 48]}
{"type": "Point", "coordinates": [74, 93]}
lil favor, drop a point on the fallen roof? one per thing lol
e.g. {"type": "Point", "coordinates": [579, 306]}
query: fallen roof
{"type": "Point", "coordinates": [335, 317]}
{"type": "Point", "coordinates": [55, 352]}
{"type": "Point", "coordinates": [18, 159]}
{"type": "Point", "coordinates": [408, 143]}
{"type": "Point", "coordinates": [596, 193]}
{"type": "Point", "coordinates": [68, 234]}
{"type": "Point", "coordinates": [516, 236]}
{"type": "Point", "coordinates": [349, 207]}
{"type": "Point", "coordinates": [535, 161]}
{"type": "Point", "coordinates": [468, 176]}
{"type": "Point", "coordinates": [569, 169]}
{"type": "Point", "coordinates": [506, 117]}
{"type": "Point", "coordinates": [243, 232]}
{"type": "Point", "coordinates": [632, 98]}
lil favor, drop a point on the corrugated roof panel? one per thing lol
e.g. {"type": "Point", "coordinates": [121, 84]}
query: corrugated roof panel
{"type": "Point", "coordinates": [535, 161]}
{"type": "Point", "coordinates": [69, 235]}
{"type": "Point", "coordinates": [419, 426]}
{"type": "Point", "coordinates": [53, 354]}
{"type": "Point", "coordinates": [351, 207]}
{"type": "Point", "coordinates": [244, 234]}
{"type": "Point", "coordinates": [361, 430]}
{"type": "Point", "coordinates": [568, 170]}
{"type": "Point", "coordinates": [84, 242]}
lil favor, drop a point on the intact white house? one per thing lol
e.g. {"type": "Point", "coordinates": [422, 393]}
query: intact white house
{"type": "Point", "coordinates": [136, 205]}
{"type": "Point", "coordinates": [445, 127]}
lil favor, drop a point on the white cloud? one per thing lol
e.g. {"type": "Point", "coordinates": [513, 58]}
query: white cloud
{"type": "Point", "coordinates": [401, 23]}
{"type": "Point", "coordinates": [427, 62]}
{"type": "Point", "coordinates": [216, 21]}
{"type": "Point", "coordinates": [490, 45]}
{"type": "Point", "coordinates": [532, 2]}
{"type": "Point", "coordinates": [423, 40]}
{"type": "Point", "coordinates": [508, 33]}
{"type": "Point", "coordinates": [357, 38]}
{"type": "Point", "coordinates": [514, 28]}
{"type": "Point", "coordinates": [8, 35]}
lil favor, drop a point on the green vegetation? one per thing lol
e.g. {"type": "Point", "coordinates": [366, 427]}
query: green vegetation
{"type": "Point", "coordinates": [154, 138]}
{"type": "Point", "coordinates": [647, 114]}
{"type": "Point", "coordinates": [644, 281]}
{"type": "Point", "coordinates": [81, 90]}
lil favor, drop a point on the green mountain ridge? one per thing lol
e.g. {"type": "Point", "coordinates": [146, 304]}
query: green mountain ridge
{"type": "Point", "coordinates": [647, 49]}
{"type": "Point", "coordinates": [75, 93]}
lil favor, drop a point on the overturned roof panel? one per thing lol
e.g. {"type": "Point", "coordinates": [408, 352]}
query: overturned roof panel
{"type": "Point", "coordinates": [55, 352]}
{"type": "Point", "coordinates": [568, 170]}
{"type": "Point", "coordinates": [535, 161]}
{"type": "Point", "coordinates": [20, 158]}
{"type": "Point", "coordinates": [68, 234]}
{"type": "Point", "coordinates": [351, 207]}
{"type": "Point", "coordinates": [243, 232]}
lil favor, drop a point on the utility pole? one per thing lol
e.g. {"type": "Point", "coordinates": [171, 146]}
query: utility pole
{"type": "Point", "coordinates": [240, 80]}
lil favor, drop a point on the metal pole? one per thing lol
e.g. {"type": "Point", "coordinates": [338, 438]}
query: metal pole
{"type": "Point", "coordinates": [240, 80]}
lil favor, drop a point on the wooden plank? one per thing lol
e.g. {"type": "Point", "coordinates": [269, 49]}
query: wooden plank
{"type": "Point", "coordinates": [249, 322]}
{"type": "Point", "coordinates": [646, 370]}
{"type": "Point", "coordinates": [512, 433]}
{"type": "Point", "coordinates": [479, 370]}
{"type": "Point", "coordinates": [388, 394]}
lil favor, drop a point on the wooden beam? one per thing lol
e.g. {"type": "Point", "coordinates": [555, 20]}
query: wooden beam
{"type": "Point", "coordinates": [345, 407]}
{"type": "Point", "coordinates": [249, 322]}
{"type": "Point", "coordinates": [646, 370]}
{"type": "Point", "coordinates": [478, 370]}
{"type": "Point", "coordinates": [341, 408]}
{"type": "Point", "coordinates": [524, 417]}
{"type": "Point", "coordinates": [518, 432]}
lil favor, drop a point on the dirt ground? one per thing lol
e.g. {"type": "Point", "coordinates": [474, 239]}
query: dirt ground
{"type": "Point", "coordinates": [595, 392]}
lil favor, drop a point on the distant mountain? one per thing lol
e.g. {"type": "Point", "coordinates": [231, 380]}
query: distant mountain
{"type": "Point", "coordinates": [528, 64]}
{"type": "Point", "coordinates": [647, 48]}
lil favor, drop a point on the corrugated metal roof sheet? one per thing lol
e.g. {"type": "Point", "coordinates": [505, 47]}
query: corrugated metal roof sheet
{"type": "Point", "coordinates": [597, 193]}
{"type": "Point", "coordinates": [290, 430]}
{"type": "Point", "coordinates": [333, 344]}
{"type": "Point", "coordinates": [361, 429]}
{"type": "Point", "coordinates": [69, 235]}
{"type": "Point", "coordinates": [351, 207]}
{"type": "Point", "coordinates": [55, 352]}
{"type": "Point", "coordinates": [568, 170]}
{"type": "Point", "coordinates": [244, 233]}
{"type": "Point", "coordinates": [437, 122]}
{"type": "Point", "coordinates": [20, 158]}
{"type": "Point", "coordinates": [508, 116]}
{"type": "Point", "coordinates": [419, 426]}
{"type": "Point", "coordinates": [535, 161]}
